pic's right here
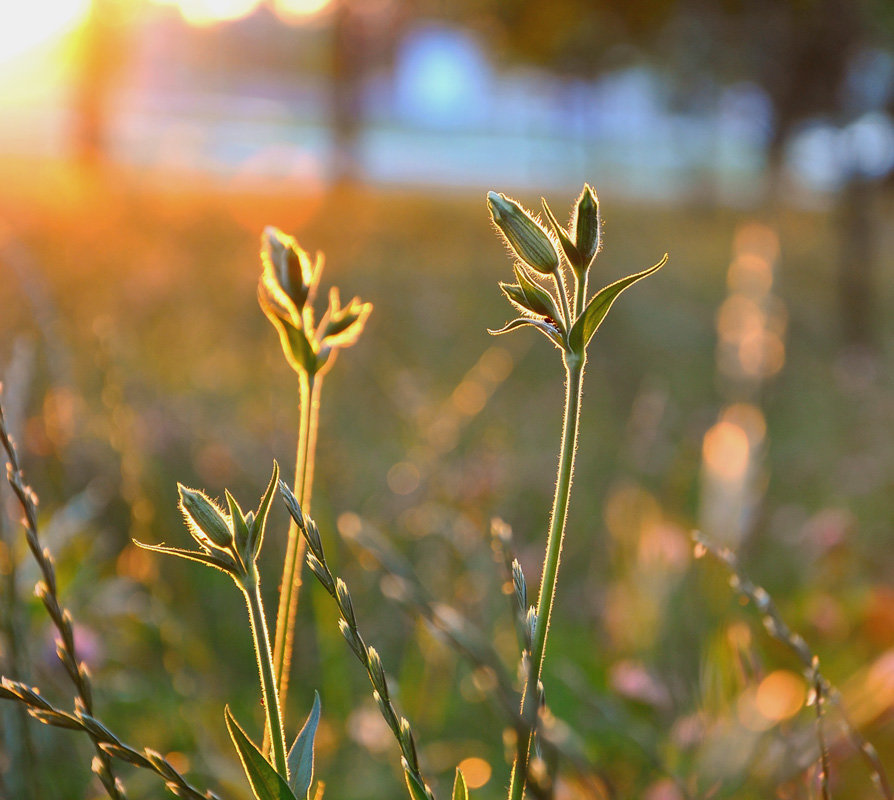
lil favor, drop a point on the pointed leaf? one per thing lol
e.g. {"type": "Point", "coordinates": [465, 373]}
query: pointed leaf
{"type": "Point", "coordinates": [221, 561]}
{"type": "Point", "coordinates": [260, 521]}
{"type": "Point", "coordinates": [266, 782]}
{"type": "Point", "coordinates": [571, 252]}
{"type": "Point", "coordinates": [460, 790]}
{"type": "Point", "coordinates": [542, 325]}
{"type": "Point", "coordinates": [301, 756]}
{"type": "Point", "coordinates": [415, 787]}
{"type": "Point", "coordinates": [515, 294]}
{"type": "Point", "coordinates": [586, 325]}
{"type": "Point", "coordinates": [241, 528]}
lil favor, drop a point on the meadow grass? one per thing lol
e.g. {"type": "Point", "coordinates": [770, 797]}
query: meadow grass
{"type": "Point", "coordinates": [133, 414]}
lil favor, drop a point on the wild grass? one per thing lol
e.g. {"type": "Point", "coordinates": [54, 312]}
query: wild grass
{"type": "Point", "coordinates": [164, 413]}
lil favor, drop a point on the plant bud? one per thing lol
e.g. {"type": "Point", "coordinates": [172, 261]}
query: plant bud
{"type": "Point", "coordinates": [206, 522]}
{"type": "Point", "coordinates": [291, 502]}
{"type": "Point", "coordinates": [587, 225]}
{"type": "Point", "coordinates": [343, 596]}
{"type": "Point", "coordinates": [290, 264]}
{"type": "Point", "coordinates": [352, 639]}
{"type": "Point", "coordinates": [377, 672]}
{"type": "Point", "coordinates": [322, 574]}
{"type": "Point", "coordinates": [407, 744]}
{"type": "Point", "coordinates": [525, 235]}
{"type": "Point", "coordinates": [521, 587]}
{"type": "Point", "coordinates": [312, 536]}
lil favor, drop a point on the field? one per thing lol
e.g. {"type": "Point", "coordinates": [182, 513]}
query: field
{"type": "Point", "coordinates": [134, 356]}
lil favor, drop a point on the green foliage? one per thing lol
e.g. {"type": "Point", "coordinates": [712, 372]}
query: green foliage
{"type": "Point", "coordinates": [587, 323]}
{"type": "Point", "coordinates": [301, 755]}
{"type": "Point", "coordinates": [266, 782]}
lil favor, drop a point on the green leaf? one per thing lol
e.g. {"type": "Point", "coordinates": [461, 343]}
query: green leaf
{"type": "Point", "coordinates": [241, 527]}
{"type": "Point", "coordinates": [266, 782]}
{"type": "Point", "coordinates": [415, 787]}
{"type": "Point", "coordinates": [587, 323]}
{"type": "Point", "coordinates": [551, 332]}
{"type": "Point", "coordinates": [257, 527]}
{"type": "Point", "coordinates": [301, 756]}
{"type": "Point", "coordinates": [221, 561]}
{"type": "Point", "coordinates": [460, 791]}
{"type": "Point", "coordinates": [571, 252]}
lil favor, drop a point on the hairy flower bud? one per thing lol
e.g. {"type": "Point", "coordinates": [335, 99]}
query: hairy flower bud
{"type": "Point", "coordinates": [205, 520]}
{"type": "Point", "coordinates": [527, 237]}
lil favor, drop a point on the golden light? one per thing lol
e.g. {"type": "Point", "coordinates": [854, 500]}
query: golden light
{"type": "Point", "coordinates": [203, 13]}
{"type": "Point", "coordinates": [476, 771]}
{"type": "Point", "coordinates": [781, 695]}
{"type": "Point", "coordinates": [726, 451]}
{"type": "Point", "coordinates": [26, 26]}
{"type": "Point", "coordinates": [296, 10]}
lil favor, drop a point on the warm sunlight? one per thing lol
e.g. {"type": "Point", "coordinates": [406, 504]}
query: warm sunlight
{"type": "Point", "coordinates": [208, 12]}
{"type": "Point", "coordinates": [290, 10]}
{"type": "Point", "coordinates": [24, 26]}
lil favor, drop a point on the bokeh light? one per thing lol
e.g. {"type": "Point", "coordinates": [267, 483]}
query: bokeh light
{"type": "Point", "coordinates": [25, 26]}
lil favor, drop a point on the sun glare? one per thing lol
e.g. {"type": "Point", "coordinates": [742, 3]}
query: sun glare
{"type": "Point", "coordinates": [297, 9]}
{"type": "Point", "coordinates": [208, 12]}
{"type": "Point", "coordinates": [27, 25]}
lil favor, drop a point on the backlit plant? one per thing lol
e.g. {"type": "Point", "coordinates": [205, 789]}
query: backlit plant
{"type": "Point", "coordinates": [552, 268]}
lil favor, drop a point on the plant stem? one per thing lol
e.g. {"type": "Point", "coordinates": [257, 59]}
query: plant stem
{"type": "Point", "coordinates": [291, 576]}
{"type": "Point", "coordinates": [574, 370]}
{"type": "Point", "coordinates": [252, 591]}
{"type": "Point", "coordinates": [580, 292]}
{"type": "Point", "coordinates": [559, 279]}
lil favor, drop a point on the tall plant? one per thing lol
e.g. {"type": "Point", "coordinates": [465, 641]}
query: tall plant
{"type": "Point", "coordinates": [565, 315]}
{"type": "Point", "coordinates": [286, 293]}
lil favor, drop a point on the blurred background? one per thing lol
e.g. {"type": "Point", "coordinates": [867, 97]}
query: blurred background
{"type": "Point", "coordinates": [746, 390]}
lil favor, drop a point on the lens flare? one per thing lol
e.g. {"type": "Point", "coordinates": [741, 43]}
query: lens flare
{"type": "Point", "coordinates": [26, 26]}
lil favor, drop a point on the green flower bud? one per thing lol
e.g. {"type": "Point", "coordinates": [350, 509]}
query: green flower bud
{"type": "Point", "coordinates": [206, 522]}
{"type": "Point", "coordinates": [376, 671]}
{"type": "Point", "coordinates": [527, 237]}
{"type": "Point", "coordinates": [587, 225]}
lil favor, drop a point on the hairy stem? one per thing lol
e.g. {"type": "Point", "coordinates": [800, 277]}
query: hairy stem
{"type": "Point", "coordinates": [580, 292]}
{"type": "Point", "coordinates": [574, 368]}
{"type": "Point", "coordinates": [294, 560]}
{"type": "Point", "coordinates": [559, 279]}
{"type": "Point", "coordinates": [258, 622]}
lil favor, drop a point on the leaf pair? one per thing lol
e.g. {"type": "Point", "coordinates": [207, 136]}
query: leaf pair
{"type": "Point", "coordinates": [266, 782]}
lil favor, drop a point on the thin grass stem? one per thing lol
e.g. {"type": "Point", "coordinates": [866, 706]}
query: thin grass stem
{"type": "Point", "coordinates": [291, 578]}
{"type": "Point", "coordinates": [574, 367]}
{"type": "Point", "coordinates": [46, 590]}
